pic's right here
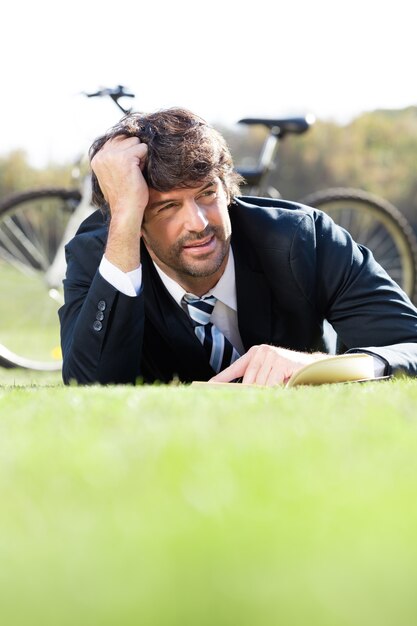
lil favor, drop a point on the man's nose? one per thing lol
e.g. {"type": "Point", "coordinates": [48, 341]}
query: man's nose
{"type": "Point", "coordinates": [195, 219]}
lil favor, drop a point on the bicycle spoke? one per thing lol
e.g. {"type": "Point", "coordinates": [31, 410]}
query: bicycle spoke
{"type": "Point", "coordinates": [378, 226]}
{"type": "Point", "coordinates": [21, 244]}
{"type": "Point", "coordinates": [16, 263]}
{"type": "Point", "coordinates": [31, 232]}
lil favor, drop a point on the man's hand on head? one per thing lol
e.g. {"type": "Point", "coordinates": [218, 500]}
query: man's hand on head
{"type": "Point", "coordinates": [118, 167]}
{"type": "Point", "coordinates": [266, 365]}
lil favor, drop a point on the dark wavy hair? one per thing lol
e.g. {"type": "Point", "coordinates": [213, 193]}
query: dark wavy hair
{"type": "Point", "coordinates": [183, 151]}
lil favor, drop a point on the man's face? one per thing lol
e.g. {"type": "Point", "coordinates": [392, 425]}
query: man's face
{"type": "Point", "coordinates": [187, 233]}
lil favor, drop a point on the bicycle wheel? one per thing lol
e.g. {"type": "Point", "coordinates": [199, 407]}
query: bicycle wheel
{"type": "Point", "coordinates": [376, 224]}
{"type": "Point", "coordinates": [32, 226]}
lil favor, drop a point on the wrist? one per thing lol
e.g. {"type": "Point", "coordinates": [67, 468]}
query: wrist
{"type": "Point", "coordinates": [127, 222]}
{"type": "Point", "coordinates": [123, 246]}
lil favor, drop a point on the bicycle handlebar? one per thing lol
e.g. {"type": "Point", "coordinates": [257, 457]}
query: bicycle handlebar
{"type": "Point", "coordinates": [114, 93]}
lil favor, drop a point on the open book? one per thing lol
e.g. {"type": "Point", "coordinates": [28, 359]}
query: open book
{"type": "Point", "coordinates": [355, 367]}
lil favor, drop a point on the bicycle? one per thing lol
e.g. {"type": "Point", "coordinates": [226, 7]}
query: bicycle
{"type": "Point", "coordinates": [35, 226]}
{"type": "Point", "coordinates": [372, 221]}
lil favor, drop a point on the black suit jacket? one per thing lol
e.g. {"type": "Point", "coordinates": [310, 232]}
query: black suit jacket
{"type": "Point", "coordinates": [294, 268]}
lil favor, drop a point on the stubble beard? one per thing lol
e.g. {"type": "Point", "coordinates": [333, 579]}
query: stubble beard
{"type": "Point", "coordinates": [198, 268]}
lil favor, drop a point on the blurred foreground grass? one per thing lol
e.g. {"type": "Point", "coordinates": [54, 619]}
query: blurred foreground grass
{"type": "Point", "coordinates": [172, 506]}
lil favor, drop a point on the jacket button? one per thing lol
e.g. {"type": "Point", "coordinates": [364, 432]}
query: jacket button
{"type": "Point", "coordinates": [97, 326]}
{"type": "Point", "coordinates": [100, 316]}
{"type": "Point", "coordinates": [101, 305]}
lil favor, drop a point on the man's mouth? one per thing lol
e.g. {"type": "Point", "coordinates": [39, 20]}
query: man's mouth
{"type": "Point", "coordinates": [201, 244]}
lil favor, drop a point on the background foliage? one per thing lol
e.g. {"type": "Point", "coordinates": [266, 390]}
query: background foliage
{"type": "Point", "coordinates": [376, 152]}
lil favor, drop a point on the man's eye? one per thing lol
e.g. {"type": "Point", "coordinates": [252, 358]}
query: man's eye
{"type": "Point", "coordinates": [209, 192]}
{"type": "Point", "coordinates": [166, 206]}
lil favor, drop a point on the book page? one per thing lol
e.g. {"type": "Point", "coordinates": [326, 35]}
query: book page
{"type": "Point", "coordinates": [335, 369]}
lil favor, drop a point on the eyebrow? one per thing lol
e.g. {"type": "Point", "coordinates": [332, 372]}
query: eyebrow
{"type": "Point", "coordinates": [155, 205]}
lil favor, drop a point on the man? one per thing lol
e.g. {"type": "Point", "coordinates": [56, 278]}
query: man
{"type": "Point", "coordinates": [177, 277]}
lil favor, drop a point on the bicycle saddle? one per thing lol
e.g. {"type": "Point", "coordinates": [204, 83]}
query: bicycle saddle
{"type": "Point", "coordinates": [282, 126]}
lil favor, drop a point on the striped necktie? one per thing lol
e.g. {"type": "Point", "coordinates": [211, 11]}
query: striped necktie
{"type": "Point", "coordinates": [220, 351]}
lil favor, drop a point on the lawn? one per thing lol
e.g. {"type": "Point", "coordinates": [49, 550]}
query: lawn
{"type": "Point", "coordinates": [173, 506]}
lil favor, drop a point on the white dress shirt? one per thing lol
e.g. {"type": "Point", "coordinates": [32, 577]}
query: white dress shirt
{"type": "Point", "coordinates": [224, 314]}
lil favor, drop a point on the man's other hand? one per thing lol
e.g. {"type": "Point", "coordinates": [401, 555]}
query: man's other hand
{"type": "Point", "coordinates": [267, 365]}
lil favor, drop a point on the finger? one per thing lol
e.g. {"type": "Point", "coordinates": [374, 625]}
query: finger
{"type": "Point", "coordinates": [276, 377]}
{"type": "Point", "coordinates": [127, 140]}
{"type": "Point", "coordinates": [133, 146]}
{"type": "Point", "coordinates": [261, 371]}
{"type": "Point", "coordinates": [138, 151]}
{"type": "Point", "coordinates": [120, 142]}
{"type": "Point", "coordinates": [236, 370]}
{"type": "Point", "coordinates": [259, 358]}
{"type": "Point", "coordinates": [142, 154]}
{"type": "Point", "coordinates": [120, 154]}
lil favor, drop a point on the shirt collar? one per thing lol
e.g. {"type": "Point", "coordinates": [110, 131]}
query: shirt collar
{"type": "Point", "coordinates": [224, 290]}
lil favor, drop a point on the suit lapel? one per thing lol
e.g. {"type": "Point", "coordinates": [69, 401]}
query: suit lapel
{"type": "Point", "coordinates": [265, 314]}
{"type": "Point", "coordinates": [253, 297]}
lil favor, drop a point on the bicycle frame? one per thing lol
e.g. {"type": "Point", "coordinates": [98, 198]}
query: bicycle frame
{"type": "Point", "coordinates": [56, 272]}
{"type": "Point", "coordinates": [257, 178]}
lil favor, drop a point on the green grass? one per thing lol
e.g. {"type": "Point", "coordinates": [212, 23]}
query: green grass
{"type": "Point", "coordinates": [167, 505]}
{"type": "Point", "coordinates": [16, 377]}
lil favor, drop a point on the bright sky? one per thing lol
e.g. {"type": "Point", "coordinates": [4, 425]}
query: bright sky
{"type": "Point", "coordinates": [224, 59]}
